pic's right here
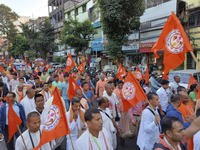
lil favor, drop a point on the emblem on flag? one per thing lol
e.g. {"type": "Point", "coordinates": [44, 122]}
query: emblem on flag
{"type": "Point", "coordinates": [138, 75]}
{"type": "Point", "coordinates": [69, 62]}
{"type": "Point", "coordinates": [174, 42]}
{"type": "Point", "coordinates": [52, 119]}
{"type": "Point", "coordinates": [128, 91]}
{"type": "Point", "coordinates": [74, 85]}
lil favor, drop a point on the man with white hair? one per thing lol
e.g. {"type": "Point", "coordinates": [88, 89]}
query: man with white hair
{"type": "Point", "coordinates": [20, 92]}
{"type": "Point", "coordinates": [28, 102]}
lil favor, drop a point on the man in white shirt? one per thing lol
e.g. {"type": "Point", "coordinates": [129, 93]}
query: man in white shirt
{"type": "Point", "coordinates": [76, 121]}
{"type": "Point", "coordinates": [32, 135]}
{"type": "Point", "coordinates": [46, 92]}
{"type": "Point", "coordinates": [108, 122]}
{"type": "Point", "coordinates": [163, 96]}
{"type": "Point", "coordinates": [96, 137]}
{"type": "Point", "coordinates": [113, 100]}
{"type": "Point", "coordinates": [5, 79]}
{"type": "Point", "coordinates": [28, 102]}
{"type": "Point", "coordinates": [14, 82]}
{"type": "Point", "coordinates": [150, 124]}
{"type": "Point", "coordinates": [196, 138]}
{"type": "Point", "coordinates": [175, 84]}
{"type": "Point", "coordinates": [40, 108]}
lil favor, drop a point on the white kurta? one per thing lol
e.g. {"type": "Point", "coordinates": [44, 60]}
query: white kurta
{"type": "Point", "coordinates": [50, 100]}
{"type": "Point", "coordinates": [196, 140]}
{"type": "Point", "coordinates": [114, 100]}
{"type": "Point", "coordinates": [163, 98]}
{"type": "Point", "coordinates": [28, 104]}
{"type": "Point", "coordinates": [73, 129]}
{"type": "Point", "coordinates": [175, 86]}
{"type": "Point", "coordinates": [108, 125]}
{"type": "Point", "coordinates": [44, 114]}
{"type": "Point", "coordinates": [36, 139]}
{"type": "Point", "coordinates": [83, 142]}
{"type": "Point", "coordinates": [149, 131]}
{"type": "Point", "coordinates": [5, 80]}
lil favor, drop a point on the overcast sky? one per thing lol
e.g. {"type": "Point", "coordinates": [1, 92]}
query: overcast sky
{"type": "Point", "coordinates": [31, 8]}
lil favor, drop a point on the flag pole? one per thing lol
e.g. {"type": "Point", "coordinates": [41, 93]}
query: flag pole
{"type": "Point", "coordinates": [71, 141]}
{"type": "Point", "coordinates": [21, 136]}
{"type": "Point", "coordinates": [151, 106]}
{"type": "Point", "coordinates": [195, 59]}
{"type": "Point", "coordinates": [196, 107]}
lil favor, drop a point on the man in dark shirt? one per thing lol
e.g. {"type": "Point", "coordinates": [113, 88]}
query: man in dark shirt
{"type": "Point", "coordinates": [37, 87]}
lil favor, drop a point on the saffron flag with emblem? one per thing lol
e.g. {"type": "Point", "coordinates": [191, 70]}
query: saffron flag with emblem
{"type": "Point", "coordinates": [138, 74]}
{"type": "Point", "coordinates": [81, 68]}
{"type": "Point", "coordinates": [13, 120]}
{"type": "Point", "coordinates": [47, 66]}
{"type": "Point", "coordinates": [56, 124]}
{"type": "Point", "coordinates": [191, 81]}
{"type": "Point", "coordinates": [11, 59]}
{"type": "Point", "coordinates": [147, 75]}
{"type": "Point", "coordinates": [131, 92]}
{"type": "Point", "coordinates": [174, 41]}
{"type": "Point", "coordinates": [70, 63]}
{"type": "Point", "coordinates": [121, 72]}
{"type": "Point", "coordinates": [14, 70]}
{"type": "Point", "coordinates": [73, 86]}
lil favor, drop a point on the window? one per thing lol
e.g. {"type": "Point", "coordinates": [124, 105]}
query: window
{"type": "Point", "coordinates": [69, 13]}
{"type": "Point", "coordinates": [76, 12]}
{"type": "Point", "coordinates": [58, 16]}
{"type": "Point", "coordinates": [192, 21]}
{"type": "Point", "coordinates": [84, 8]}
{"type": "Point", "coordinates": [61, 15]}
{"type": "Point", "coordinates": [198, 20]}
{"type": "Point", "coordinates": [60, 2]}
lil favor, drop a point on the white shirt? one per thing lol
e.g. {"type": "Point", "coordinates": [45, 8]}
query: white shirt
{"type": "Point", "coordinates": [15, 108]}
{"type": "Point", "coordinates": [149, 131]}
{"type": "Point", "coordinates": [175, 86]}
{"type": "Point", "coordinates": [36, 139]}
{"type": "Point", "coordinates": [108, 125]}
{"type": "Point", "coordinates": [44, 114]}
{"type": "Point", "coordinates": [196, 140]}
{"type": "Point", "coordinates": [73, 126]}
{"type": "Point", "coordinates": [83, 142]}
{"type": "Point", "coordinates": [163, 98]}
{"type": "Point", "coordinates": [13, 84]}
{"type": "Point", "coordinates": [46, 95]}
{"type": "Point", "coordinates": [28, 104]}
{"type": "Point", "coordinates": [5, 80]}
{"type": "Point", "coordinates": [114, 100]}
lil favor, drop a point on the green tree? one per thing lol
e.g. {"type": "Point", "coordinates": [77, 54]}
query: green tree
{"type": "Point", "coordinates": [45, 39]}
{"type": "Point", "coordinates": [18, 46]}
{"type": "Point", "coordinates": [77, 34]}
{"type": "Point", "coordinates": [7, 17]}
{"type": "Point", "coordinates": [59, 59]}
{"type": "Point", "coordinates": [119, 18]}
{"type": "Point", "coordinates": [31, 54]}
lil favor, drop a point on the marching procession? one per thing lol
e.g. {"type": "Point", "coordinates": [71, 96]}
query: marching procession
{"type": "Point", "coordinates": [41, 106]}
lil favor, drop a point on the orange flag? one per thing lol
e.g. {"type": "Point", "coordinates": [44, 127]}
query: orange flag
{"type": "Point", "coordinates": [147, 75]}
{"type": "Point", "coordinates": [121, 72]}
{"type": "Point", "coordinates": [13, 120]}
{"type": "Point", "coordinates": [191, 81]}
{"type": "Point", "coordinates": [70, 63]}
{"type": "Point", "coordinates": [131, 92]}
{"type": "Point", "coordinates": [55, 125]}
{"type": "Point", "coordinates": [25, 60]}
{"type": "Point", "coordinates": [2, 58]}
{"type": "Point", "coordinates": [1, 69]}
{"type": "Point", "coordinates": [174, 41]}
{"type": "Point", "coordinates": [73, 86]}
{"type": "Point", "coordinates": [198, 96]}
{"type": "Point", "coordinates": [14, 70]}
{"type": "Point", "coordinates": [138, 74]}
{"type": "Point", "coordinates": [47, 66]}
{"type": "Point", "coordinates": [165, 77]}
{"type": "Point", "coordinates": [11, 60]}
{"type": "Point", "coordinates": [81, 68]}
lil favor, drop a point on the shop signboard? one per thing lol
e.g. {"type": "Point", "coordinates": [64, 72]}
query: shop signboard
{"type": "Point", "coordinates": [131, 46]}
{"type": "Point", "coordinates": [97, 44]}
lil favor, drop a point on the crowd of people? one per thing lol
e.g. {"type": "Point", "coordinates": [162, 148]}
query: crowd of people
{"type": "Point", "coordinates": [166, 120]}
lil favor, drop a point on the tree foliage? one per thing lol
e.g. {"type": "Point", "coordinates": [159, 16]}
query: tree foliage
{"type": "Point", "coordinates": [59, 59]}
{"type": "Point", "coordinates": [77, 34]}
{"type": "Point", "coordinates": [119, 18]}
{"type": "Point", "coordinates": [7, 17]}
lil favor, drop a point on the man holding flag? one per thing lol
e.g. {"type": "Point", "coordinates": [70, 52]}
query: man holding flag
{"type": "Point", "coordinates": [8, 124]}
